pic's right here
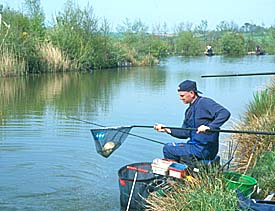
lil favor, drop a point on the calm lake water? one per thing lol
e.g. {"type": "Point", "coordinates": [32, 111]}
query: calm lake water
{"type": "Point", "coordinates": [49, 162]}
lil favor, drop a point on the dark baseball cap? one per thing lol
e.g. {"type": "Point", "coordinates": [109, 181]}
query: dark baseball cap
{"type": "Point", "coordinates": [188, 86]}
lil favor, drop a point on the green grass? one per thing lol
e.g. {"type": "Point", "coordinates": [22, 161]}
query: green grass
{"type": "Point", "coordinates": [205, 193]}
{"type": "Point", "coordinates": [254, 151]}
{"type": "Point", "coordinates": [265, 174]}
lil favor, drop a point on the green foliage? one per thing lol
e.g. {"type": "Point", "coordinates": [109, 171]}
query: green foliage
{"type": "Point", "coordinates": [202, 30]}
{"type": "Point", "coordinates": [158, 46]}
{"type": "Point", "coordinates": [250, 42]}
{"type": "Point", "coordinates": [24, 34]}
{"type": "Point", "coordinates": [206, 193]}
{"type": "Point", "coordinates": [232, 44]}
{"type": "Point", "coordinates": [260, 116]}
{"type": "Point", "coordinates": [265, 174]}
{"type": "Point", "coordinates": [269, 41]}
{"type": "Point", "coordinates": [263, 103]}
{"type": "Point", "coordinates": [141, 48]}
{"type": "Point", "coordinates": [36, 18]}
{"type": "Point", "coordinates": [136, 27]}
{"type": "Point", "coordinates": [225, 26]}
{"type": "Point", "coordinates": [188, 44]}
{"type": "Point", "coordinates": [85, 42]}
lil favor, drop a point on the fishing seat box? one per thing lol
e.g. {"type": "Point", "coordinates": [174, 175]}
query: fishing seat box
{"type": "Point", "coordinates": [177, 170]}
{"type": "Point", "coordinates": [161, 166]}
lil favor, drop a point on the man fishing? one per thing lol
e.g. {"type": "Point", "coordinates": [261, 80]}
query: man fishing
{"type": "Point", "coordinates": [203, 114]}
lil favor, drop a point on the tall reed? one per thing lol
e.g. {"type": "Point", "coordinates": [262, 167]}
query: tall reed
{"type": "Point", "coordinates": [10, 64]}
{"type": "Point", "coordinates": [53, 59]}
{"type": "Point", "coordinates": [260, 116]}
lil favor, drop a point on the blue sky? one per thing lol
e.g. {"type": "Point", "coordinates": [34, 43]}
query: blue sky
{"type": "Point", "coordinates": [172, 12]}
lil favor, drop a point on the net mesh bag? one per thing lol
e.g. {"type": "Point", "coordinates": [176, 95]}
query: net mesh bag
{"type": "Point", "coordinates": [107, 140]}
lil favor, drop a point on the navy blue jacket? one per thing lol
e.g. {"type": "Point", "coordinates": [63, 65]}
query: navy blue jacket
{"type": "Point", "coordinates": [204, 111]}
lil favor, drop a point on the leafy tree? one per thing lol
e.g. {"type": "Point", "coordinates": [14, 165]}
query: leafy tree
{"type": "Point", "coordinates": [138, 46]}
{"type": "Point", "coordinates": [36, 18]}
{"type": "Point", "coordinates": [270, 40]}
{"type": "Point", "coordinates": [232, 44]}
{"type": "Point", "coordinates": [202, 29]}
{"type": "Point", "coordinates": [225, 26]}
{"type": "Point", "coordinates": [184, 27]}
{"type": "Point", "coordinates": [188, 44]}
{"type": "Point", "coordinates": [128, 27]}
{"type": "Point", "coordinates": [25, 33]}
{"type": "Point", "coordinates": [77, 32]}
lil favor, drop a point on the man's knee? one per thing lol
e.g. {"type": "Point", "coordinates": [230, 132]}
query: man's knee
{"type": "Point", "coordinates": [168, 152]}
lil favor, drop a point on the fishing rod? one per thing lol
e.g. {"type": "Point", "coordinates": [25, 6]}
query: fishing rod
{"type": "Point", "coordinates": [214, 130]}
{"type": "Point", "coordinates": [81, 120]}
{"type": "Point", "coordinates": [190, 129]}
{"type": "Point", "coordinates": [108, 139]}
{"type": "Point", "coordinates": [243, 131]}
{"type": "Point", "coordinates": [238, 74]}
{"type": "Point", "coordinates": [132, 134]}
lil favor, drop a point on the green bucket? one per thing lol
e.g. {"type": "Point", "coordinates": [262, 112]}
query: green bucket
{"type": "Point", "coordinates": [244, 183]}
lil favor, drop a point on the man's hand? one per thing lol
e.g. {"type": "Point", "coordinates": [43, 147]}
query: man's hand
{"type": "Point", "coordinates": [202, 129]}
{"type": "Point", "coordinates": [161, 128]}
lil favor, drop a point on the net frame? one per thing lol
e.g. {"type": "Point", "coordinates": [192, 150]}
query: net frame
{"type": "Point", "coordinates": [115, 136]}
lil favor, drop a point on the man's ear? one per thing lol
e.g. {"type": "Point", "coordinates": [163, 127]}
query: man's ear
{"type": "Point", "coordinates": [193, 93]}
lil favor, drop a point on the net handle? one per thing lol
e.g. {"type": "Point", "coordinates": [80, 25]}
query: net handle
{"type": "Point", "coordinates": [132, 190]}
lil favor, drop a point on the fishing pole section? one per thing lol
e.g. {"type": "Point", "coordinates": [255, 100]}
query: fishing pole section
{"type": "Point", "coordinates": [108, 139]}
{"type": "Point", "coordinates": [237, 75]}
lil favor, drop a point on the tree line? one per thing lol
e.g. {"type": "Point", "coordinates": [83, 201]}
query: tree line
{"type": "Point", "coordinates": [77, 40]}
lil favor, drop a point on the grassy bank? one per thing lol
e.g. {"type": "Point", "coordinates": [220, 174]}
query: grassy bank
{"type": "Point", "coordinates": [256, 153]}
{"type": "Point", "coordinates": [204, 193]}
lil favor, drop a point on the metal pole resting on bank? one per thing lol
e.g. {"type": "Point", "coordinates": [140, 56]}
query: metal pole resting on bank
{"type": "Point", "coordinates": [238, 74]}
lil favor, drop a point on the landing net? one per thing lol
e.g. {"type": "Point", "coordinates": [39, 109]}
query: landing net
{"type": "Point", "coordinates": [107, 140]}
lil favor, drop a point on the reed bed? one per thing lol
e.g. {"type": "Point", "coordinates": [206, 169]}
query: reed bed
{"type": "Point", "coordinates": [10, 64]}
{"type": "Point", "coordinates": [132, 57]}
{"type": "Point", "coordinates": [53, 59]}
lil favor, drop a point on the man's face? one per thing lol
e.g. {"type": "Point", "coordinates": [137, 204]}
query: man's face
{"type": "Point", "coordinates": [187, 97]}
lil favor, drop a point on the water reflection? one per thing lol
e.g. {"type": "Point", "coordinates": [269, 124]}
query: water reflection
{"type": "Point", "coordinates": [71, 93]}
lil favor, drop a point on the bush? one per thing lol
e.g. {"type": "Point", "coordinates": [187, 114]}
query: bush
{"type": "Point", "coordinates": [188, 45]}
{"type": "Point", "coordinates": [232, 44]}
